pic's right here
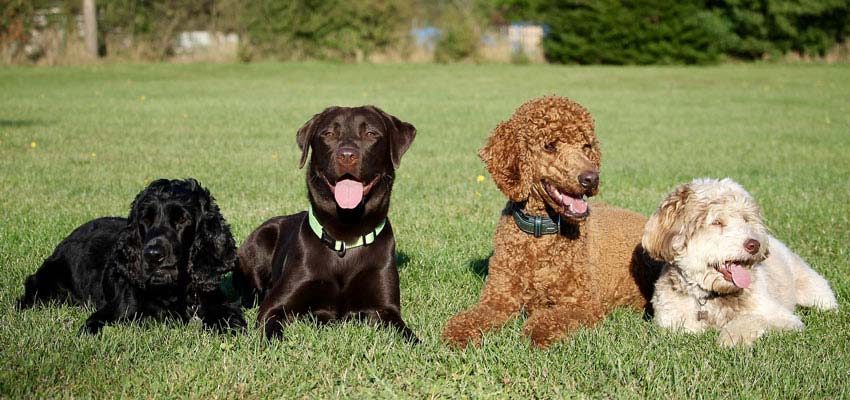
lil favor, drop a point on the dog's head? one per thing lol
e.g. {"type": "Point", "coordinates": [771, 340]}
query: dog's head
{"type": "Point", "coordinates": [355, 152]}
{"type": "Point", "coordinates": [548, 150]}
{"type": "Point", "coordinates": [176, 236]}
{"type": "Point", "coordinates": [711, 230]}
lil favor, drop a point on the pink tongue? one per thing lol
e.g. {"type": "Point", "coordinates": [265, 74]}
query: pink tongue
{"type": "Point", "coordinates": [577, 206]}
{"type": "Point", "coordinates": [348, 193]}
{"type": "Point", "coordinates": [740, 276]}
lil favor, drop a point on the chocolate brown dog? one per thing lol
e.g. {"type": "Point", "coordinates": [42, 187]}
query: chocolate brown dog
{"type": "Point", "coordinates": [335, 261]}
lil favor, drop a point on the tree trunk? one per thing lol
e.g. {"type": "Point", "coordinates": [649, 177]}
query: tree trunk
{"type": "Point", "coordinates": [90, 19]}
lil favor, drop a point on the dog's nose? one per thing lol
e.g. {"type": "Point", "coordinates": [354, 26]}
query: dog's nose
{"type": "Point", "coordinates": [589, 179]}
{"type": "Point", "coordinates": [153, 254]}
{"type": "Point", "coordinates": [752, 246]}
{"type": "Point", "coordinates": [347, 156]}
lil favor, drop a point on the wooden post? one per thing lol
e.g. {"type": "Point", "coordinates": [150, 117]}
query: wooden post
{"type": "Point", "coordinates": [90, 22]}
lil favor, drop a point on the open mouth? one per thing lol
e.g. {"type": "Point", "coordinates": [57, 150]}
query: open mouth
{"type": "Point", "coordinates": [736, 271]}
{"type": "Point", "coordinates": [568, 205]}
{"type": "Point", "coordinates": [349, 191]}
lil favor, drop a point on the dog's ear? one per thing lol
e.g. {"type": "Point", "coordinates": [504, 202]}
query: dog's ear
{"type": "Point", "coordinates": [306, 132]}
{"type": "Point", "coordinates": [401, 135]}
{"type": "Point", "coordinates": [664, 232]}
{"type": "Point", "coordinates": [126, 256]}
{"type": "Point", "coordinates": [213, 252]}
{"type": "Point", "coordinates": [504, 156]}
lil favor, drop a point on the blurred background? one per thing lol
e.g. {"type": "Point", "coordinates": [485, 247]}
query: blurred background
{"type": "Point", "coordinates": [51, 32]}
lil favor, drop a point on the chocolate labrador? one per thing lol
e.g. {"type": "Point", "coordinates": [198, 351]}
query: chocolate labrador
{"type": "Point", "coordinates": [335, 261]}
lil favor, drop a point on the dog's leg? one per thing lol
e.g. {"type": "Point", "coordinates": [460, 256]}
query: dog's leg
{"type": "Point", "coordinates": [389, 317]}
{"type": "Point", "coordinates": [288, 300]}
{"type": "Point", "coordinates": [745, 329]}
{"type": "Point", "coordinates": [548, 325]}
{"type": "Point", "coordinates": [46, 283]}
{"type": "Point", "coordinates": [218, 314]}
{"type": "Point", "coordinates": [675, 311]}
{"type": "Point", "coordinates": [501, 299]}
{"type": "Point", "coordinates": [120, 307]}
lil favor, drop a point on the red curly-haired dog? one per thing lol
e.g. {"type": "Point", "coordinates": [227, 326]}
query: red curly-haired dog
{"type": "Point", "coordinates": [565, 264]}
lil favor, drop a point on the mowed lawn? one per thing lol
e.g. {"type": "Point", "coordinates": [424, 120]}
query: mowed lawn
{"type": "Point", "coordinates": [78, 143]}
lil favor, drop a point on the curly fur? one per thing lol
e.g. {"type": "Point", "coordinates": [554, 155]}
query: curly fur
{"type": "Point", "coordinates": [698, 231]}
{"type": "Point", "coordinates": [102, 262]}
{"type": "Point", "coordinates": [562, 281]}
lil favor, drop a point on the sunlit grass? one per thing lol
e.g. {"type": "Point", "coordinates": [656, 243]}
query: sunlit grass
{"type": "Point", "coordinates": [77, 143]}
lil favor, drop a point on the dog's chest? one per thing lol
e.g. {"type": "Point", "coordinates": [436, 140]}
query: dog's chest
{"type": "Point", "coordinates": [558, 262]}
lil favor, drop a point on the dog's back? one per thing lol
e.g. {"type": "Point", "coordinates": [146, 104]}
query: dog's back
{"type": "Point", "coordinates": [74, 272]}
{"type": "Point", "coordinates": [625, 275]}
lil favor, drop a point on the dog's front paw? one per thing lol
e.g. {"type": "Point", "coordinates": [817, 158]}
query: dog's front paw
{"type": "Point", "coordinates": [543, 332]}
{"type": "Point", "coordinates": [234, 323]}
{"type": "Point", "coordinates": [741, 332]}
{"type": "Point", "coordinates": [90, 328]}
{"type": "Point", "coordinates": [460, 332]}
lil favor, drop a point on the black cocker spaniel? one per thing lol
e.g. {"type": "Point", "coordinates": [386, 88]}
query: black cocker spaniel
{"type": "Point", "coordinates": [166, 260]}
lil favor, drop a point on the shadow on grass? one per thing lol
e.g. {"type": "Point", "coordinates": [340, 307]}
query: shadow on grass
{"type": "Point", "coordinates": [401, 260]}
{"type": "Point", "coordinates": [20, 123]}
{"type": "Point", "coordinates": [481, 266]}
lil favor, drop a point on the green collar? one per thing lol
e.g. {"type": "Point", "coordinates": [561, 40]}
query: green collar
{"type": "Point", "coordinates": [532, 224]}
{"type": "Point", "coordinates": [338, 245]}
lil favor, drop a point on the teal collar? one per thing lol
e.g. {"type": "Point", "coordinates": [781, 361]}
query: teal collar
{"type": "Point", "coordinates": [532, 224]}
{"type": "Point", "coordinates": [338, 245]}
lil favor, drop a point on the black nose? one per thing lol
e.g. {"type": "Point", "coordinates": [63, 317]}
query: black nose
{"type": "Point", "coordinates": [752, 246]}
{"type": "Point", "coordinates": [589, 179]}
{"type": "Point", "coordinates": [347, 155]}
{"type": "Point", "coordinates": [153, 254]}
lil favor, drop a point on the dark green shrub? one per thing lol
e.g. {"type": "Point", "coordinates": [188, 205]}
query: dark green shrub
{"type": "Point", "coordinates": [631, 32]}
{"type": "Point", "coordinates": [762, 27]}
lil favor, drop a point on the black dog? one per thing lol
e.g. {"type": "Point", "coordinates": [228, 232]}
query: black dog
{"type": "Point", "coordinates": [336, 261]}
{"type": "Point", "coordinates": [166, 259]}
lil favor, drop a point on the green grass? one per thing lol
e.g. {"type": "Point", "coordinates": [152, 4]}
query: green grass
{"type": "Point", "coordinates": [101, 133]}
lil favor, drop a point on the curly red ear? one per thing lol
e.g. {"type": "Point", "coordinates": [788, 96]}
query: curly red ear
{"type": "Point", "coordinates": [504, 156]}
{"type": "Point", "coordinates": [305, 134]}
{"type": "Point", "coordinates": [663, 234]}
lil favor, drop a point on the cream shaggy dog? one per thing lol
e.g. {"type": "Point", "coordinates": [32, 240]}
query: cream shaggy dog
{"type": "Point", "coordinates": [722, 267]}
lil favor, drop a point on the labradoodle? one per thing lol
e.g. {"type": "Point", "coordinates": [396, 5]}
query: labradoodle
{"type": "Point", "coordinates": [722, 267]}
{"type": "Point", "coordinates": [565, 263]}
{"type": "Point", "coordinates": [167, 259]}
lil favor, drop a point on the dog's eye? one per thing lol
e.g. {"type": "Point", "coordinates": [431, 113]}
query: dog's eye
{"type": "Point", "coordinates": [371, 133]}
{"type": "Point", "coordinates": [587, 147]}
{"type": "Point", "coordinates": [550, 147]}
{"type": "Point", "coordinates": [718, 223]}
{"type": "Point", "coordinates": [327, 133]}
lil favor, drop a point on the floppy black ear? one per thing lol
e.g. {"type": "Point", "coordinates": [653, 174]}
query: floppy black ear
{"type": "Point", "coordinates": [306, 132]}
{"type": "Point", "coordinates": [401, 135]}
{"type": "Point", "coordinates": [213, 252]}
{"type": "Point", "coordinates": [126, 255]}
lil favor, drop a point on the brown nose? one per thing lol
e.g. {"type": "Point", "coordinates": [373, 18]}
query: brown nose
{"type": "Point", "coordinates": [589, 179]}
{"type": "Point", "coordinates": [347, 156]}
{"type": "Point", "coordinates": [752, 246]}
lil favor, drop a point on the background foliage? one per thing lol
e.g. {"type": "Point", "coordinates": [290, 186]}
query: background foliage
{"type": "Point", "coordinates": [579, 31]}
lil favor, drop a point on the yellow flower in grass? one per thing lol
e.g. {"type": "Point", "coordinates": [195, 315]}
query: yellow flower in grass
{"type": "Point", "coordinates": [33, 144]}
{"type": "Point", "coordinates": [480, 178]}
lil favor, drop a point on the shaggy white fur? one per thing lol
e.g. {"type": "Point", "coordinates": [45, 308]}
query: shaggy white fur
{"type": "Point", "coordinates": [723, 269]}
